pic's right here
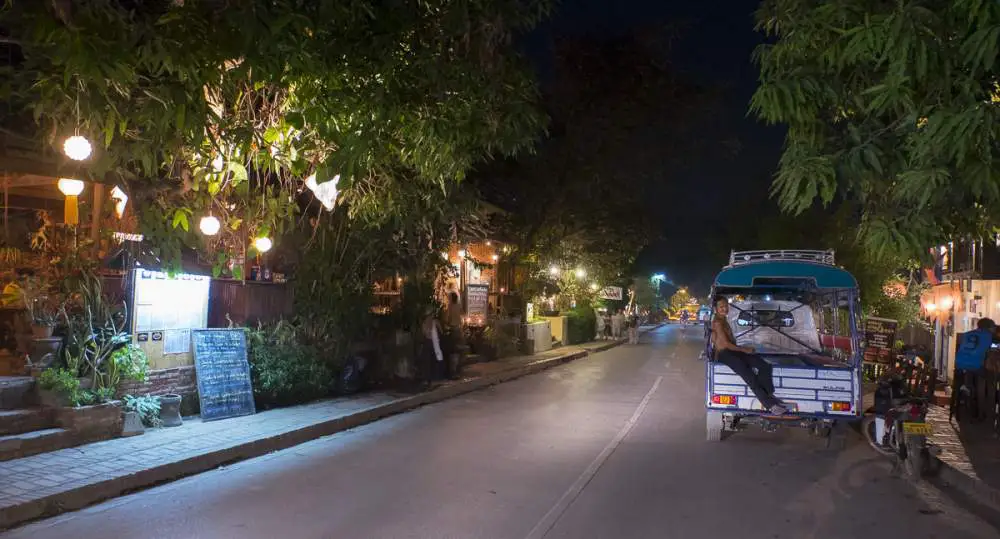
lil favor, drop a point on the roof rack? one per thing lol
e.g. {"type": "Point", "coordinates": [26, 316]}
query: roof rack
{"type": "Point", "coordinates": [737, 258]}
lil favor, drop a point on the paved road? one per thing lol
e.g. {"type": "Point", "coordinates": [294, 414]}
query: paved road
{"type": "Point", "coordinates": [611, 446]}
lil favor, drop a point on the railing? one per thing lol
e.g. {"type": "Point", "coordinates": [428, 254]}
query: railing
{"type": "Point", "coordinates": [745, 257]}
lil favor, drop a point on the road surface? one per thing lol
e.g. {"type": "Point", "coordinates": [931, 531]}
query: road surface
{"type": "Point", "coordinates": [610, 446]}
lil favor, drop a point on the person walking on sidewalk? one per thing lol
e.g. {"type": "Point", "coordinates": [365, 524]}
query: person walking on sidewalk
{"type": "Point", "coordinates": [633, 328]}
{"type": "Point", "coordinates": [453, 327]}
{"type": "Point", "coordinates": [616, 324]}
{"type": "Point", "coordinates": [432, 358]}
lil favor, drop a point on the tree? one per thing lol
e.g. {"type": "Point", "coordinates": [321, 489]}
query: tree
{"type": "Point", "coordinates": [223, 108]}
{"type": "Point", "coordinates": [894, 106]}
{"type": "Point", "coordinates": [647, 294]}
{"type": "Point", "coordinates": [836, 228]}
{"type": "Point", "coordinates": [681, 300]}
{"type": "Point", "coordinates": [618, 114]}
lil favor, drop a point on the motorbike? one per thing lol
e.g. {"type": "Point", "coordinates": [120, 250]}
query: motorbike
{"type": "Point", "coordinates": [897, 427]}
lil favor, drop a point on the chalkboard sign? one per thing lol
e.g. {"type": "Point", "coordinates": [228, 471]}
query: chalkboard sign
{"type": "Point", "coordinates": [880, 339]}
{"type": "Point", "coordinates": [477, 298]}
{"type": "Point", "coordinates": [220, 361]}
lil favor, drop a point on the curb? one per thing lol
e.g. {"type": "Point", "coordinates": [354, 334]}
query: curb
{"type": "Point", "coordinates": [975, 489]}
{"type": "Point", "coordinates": [86, 495]}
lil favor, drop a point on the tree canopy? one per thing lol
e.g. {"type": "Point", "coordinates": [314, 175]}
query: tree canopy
{"type": "Point", "coordinates": [894, 106]}
{"type": "Point", "coordinates": [234, 108]}
{"type": "Point", "coordinates": [617, 113]}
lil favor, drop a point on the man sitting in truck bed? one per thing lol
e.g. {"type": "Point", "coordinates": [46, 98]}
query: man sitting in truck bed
{"type": "Point", "coordinates": [742, 360]}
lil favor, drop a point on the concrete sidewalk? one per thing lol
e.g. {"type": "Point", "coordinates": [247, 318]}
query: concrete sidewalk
{"type": "Point", "coordinates": [970, 457]}
{"type": "Point", "coordinates": [51, 483]}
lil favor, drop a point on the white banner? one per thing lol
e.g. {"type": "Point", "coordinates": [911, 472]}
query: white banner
{"type": "Point", "coordinates": [612, 292]}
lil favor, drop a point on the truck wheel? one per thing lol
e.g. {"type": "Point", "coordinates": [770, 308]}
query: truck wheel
{"type": "Point", "coordinates": [713, 425]}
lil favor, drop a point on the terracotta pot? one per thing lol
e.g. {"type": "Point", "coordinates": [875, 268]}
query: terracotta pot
{"type": "Point", "coordinates": [41, 332]}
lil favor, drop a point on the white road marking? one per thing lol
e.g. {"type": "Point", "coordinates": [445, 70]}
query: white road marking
{"type": "Point", "coordinates": [552, 517]}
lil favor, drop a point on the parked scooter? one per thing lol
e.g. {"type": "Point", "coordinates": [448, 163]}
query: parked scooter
{"type": "Point", "coordinates": [897, 427]}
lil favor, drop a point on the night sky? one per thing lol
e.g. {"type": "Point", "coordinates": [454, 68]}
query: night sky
{"type": "Point", "coordinates": [714, 48]}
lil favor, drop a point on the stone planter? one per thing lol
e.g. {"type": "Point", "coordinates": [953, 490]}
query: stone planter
{"type": "Point", "coordinates": [132, 425]}
{"type": "Point", "coordinates": [97, 421]}
{"type": "Point", "coordinates": [45, 351]}
{"type": "Point", "coordinates": [51, 399]}
{"type": "Point", "coordinates": [170, 410]}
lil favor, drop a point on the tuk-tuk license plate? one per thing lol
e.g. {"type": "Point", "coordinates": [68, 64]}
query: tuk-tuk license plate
{"type": "Point", "coordinates": [917, 428]}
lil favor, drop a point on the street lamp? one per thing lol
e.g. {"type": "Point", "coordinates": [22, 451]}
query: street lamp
{"type": "Point", "coordinates": [554, 270]}
{"type": "Point", "coordinates": [581, 273]}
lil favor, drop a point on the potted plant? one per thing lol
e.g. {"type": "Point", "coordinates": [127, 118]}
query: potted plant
{"type": "Point", "coordinates": [41, 306]}
{"type": "Point", "coordinates": [141, 413]}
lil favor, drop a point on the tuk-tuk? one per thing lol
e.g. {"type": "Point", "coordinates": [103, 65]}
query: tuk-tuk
{"type": "Point", "coordinates": [800, 313]}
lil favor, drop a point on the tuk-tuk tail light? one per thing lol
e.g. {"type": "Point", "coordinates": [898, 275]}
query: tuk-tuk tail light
{"type": "Point", "coordinates": [728, 400]}
{"type": "Point", "coordinates": [840, 406]}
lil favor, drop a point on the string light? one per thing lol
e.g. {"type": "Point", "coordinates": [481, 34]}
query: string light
{"type": "Point", "coordinates": [209, 225]}
{"type": "Point", "coordinates": [262, 244]}
{"type": "Point", "coordinates": [77, 148]}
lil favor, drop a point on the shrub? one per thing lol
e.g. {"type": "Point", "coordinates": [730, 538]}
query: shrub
{"type": "Point", "coordinates": [148, 408]}
{"type": "Point", "coordinates": [284, 369]}
{"type": "Point", "coordinates": [581, 324]}
{"type": "Point", "coordinates": [62, 382]}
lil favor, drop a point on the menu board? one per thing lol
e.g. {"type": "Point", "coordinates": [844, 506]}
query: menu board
{"type": "Point", "coordinates": [880, 339]}
{"type": "Point", "coordinates": [164, 302]}
{"type": "Point", "coordinates": [220, 361]}
{"type": "Point", "coordinates": [477, 297]}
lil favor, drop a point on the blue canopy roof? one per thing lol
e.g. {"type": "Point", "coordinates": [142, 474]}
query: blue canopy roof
{"type": "Point", "coordinates": [785, 274]}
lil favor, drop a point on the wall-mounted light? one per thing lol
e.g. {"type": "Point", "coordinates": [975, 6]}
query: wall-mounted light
{"type": "Point", "coordinates": [77, 148]}
{"type": "Point", "coordinates": [72, 189]}
{"type": "Point", "coordinates": [121, 199]}
{"type": "Point", "coordinates": [495, 258]}
{"type": "Point", "coordinates": [461, 253]}
{"type": "Point", "coordinates": [325, 192]}
{"type": "Point", "coordinates": [581, 273]}
{"type": "Point", "coordinates": [554, 270]}
{"type": "Point", "coordinates": [209, 225]}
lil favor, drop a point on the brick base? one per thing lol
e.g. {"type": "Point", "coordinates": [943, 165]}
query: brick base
{"type": "Point", "coordinates": [176, 380]}
{"type": "Point", "coordinates": [173, 381]}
